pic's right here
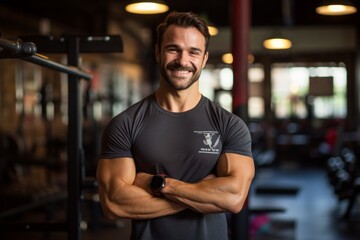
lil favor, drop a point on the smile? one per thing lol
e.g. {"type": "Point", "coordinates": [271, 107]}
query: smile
{"type": "Point", "coordinates": [181, 73]}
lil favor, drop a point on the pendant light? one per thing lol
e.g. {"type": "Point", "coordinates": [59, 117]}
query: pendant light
{"type": "Point", "coordinates": [227, 58]}
{"type": "Point", "coordinates": [336, 8]}
{"type": "Point", "coordinates": [277, 41]}
{"type": "Point", "coordinates": [147, 7]}
{"type": "Point", "coordinates": [213, 30]}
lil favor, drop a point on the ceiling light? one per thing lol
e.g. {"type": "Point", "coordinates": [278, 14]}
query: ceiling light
{"type": "Point", "coordinates": [213, 30]}
{"type": "Point", "coordinates": [277, 43]}
{"type": "Point", "coordinates": [227, 58]}
{"type": "Point", "coordinates": [336, 8]}
{"type": "Point", "coordinates": [147, 7]}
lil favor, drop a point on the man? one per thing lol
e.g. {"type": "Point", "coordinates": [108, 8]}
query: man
{"type": "Point", "coordinates": [175, 162]}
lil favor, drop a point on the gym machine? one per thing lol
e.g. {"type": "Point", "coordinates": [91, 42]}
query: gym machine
{"type": "Point", "coordinates": [27, 49]}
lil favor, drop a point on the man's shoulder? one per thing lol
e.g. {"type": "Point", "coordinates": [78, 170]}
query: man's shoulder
{"type": "Point", "coordinates": [132, 113]}
{"type": "Point", "coordinates": [137, 107]}
{"type": "Point", "coordinates": [218, 109]}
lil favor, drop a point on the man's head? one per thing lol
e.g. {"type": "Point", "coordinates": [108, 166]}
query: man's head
{"type": "Point", "coordinates": [182, 49]}
{"type": "Point", "coordinates": [183, 19]}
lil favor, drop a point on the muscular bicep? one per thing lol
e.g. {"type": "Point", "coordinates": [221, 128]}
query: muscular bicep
{"type": "Point", "coordinates": [111, 172]}
{"type": "Point", "coordinates": [240, 171]}
{"type": "Point", "coordinates": [114, 175]}
{"type": "Point", "coordinates": [239, 166]}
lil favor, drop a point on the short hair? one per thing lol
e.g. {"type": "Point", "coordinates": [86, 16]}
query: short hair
{"type": "Point", "coordinates": [183, 19]}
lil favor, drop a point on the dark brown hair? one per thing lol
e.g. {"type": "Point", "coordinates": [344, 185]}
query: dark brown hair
{"type": "Point", "coordinates": [183, 19]}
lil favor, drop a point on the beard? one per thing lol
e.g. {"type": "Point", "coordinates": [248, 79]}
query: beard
{"type": "Point", "coordinates": [173, 82]}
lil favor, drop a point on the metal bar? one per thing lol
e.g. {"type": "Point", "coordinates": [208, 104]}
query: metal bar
{"type": "Point", "coordinates": [37, 59]}
{"type": "Point", "coordinates": [88, 44]}
{"type": "Point", "coordinates": [74, 144]}
{"type": "Point", "coordinates": [19, 48]}
{"type": "Point", "coordinates": [27, 51]}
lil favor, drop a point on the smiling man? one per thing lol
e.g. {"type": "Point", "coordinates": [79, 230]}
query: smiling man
{"type": "Point", "coordinates": [176, 162]}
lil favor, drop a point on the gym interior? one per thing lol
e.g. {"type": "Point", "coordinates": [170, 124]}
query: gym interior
{"type": "Point", "coordinates": [68, 67]}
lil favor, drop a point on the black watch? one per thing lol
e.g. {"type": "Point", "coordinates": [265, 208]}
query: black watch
{"type": "Point", "coordinates": [157, 183]}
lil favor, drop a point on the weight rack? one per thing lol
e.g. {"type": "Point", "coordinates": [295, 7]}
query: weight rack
{"type": "Point", "coordinates": [26, 49]}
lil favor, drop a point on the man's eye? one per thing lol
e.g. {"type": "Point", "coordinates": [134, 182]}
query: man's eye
{"type": "Point", "coordinates": [195, 53]}
{"type": "Point", "coordinates": [172, 50]}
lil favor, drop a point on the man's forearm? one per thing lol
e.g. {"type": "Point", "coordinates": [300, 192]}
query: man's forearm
{"type": "Point", "coordinates": [131, 201]}
{"type": "Point", "coordinates": [210, 195]}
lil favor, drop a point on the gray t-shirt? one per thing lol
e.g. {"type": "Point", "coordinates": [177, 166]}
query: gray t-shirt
{"type": "Point", "coordinates": [184, 146]}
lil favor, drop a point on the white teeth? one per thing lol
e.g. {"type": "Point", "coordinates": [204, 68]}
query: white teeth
{"type": "Point", "coordinates": [182, 72]}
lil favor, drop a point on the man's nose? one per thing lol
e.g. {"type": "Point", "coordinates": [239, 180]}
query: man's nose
{"type": "Point", "coordinates": [183, 58]}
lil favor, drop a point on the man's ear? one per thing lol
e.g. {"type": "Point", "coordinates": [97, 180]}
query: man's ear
{"type": "Point", "coordinates": [157, 53]}
{"type": "Point", "coordinates": [206, 56]}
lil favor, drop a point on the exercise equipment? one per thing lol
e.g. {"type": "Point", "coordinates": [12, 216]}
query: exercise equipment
{"type": "Point", "coordinates": [343, 175]}
{"type": "Point", "coordinates": [27, 48]}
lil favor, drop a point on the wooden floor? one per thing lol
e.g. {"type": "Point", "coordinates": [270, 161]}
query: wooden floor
{"type": "Point", "coordinates": [285, 203]}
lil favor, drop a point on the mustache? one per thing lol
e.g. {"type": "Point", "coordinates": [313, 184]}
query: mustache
{"type": "Point", "coordinates": [179, 67]}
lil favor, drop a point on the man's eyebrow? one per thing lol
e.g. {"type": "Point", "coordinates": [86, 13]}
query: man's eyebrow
{"type": "Point", "coordinates": [196, 49]}
{"type": "Point", "coordinates": [171, 46]}
{"type": "Point", "coordinates": [177, 46]}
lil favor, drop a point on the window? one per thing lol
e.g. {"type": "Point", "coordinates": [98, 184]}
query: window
{"type": "Point", "coordinates": [256, 103]}
{"type": "Point", "coordinates": [297, 89]}
{"type": "Point", "coordinates": [217, 83]}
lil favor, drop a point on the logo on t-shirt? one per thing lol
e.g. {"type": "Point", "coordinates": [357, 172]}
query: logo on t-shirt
{"type": "Point", "coordinates": [210, 142]}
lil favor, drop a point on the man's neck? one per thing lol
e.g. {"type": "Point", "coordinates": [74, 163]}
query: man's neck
{"type": "Point", "coordinates": [179, 101]}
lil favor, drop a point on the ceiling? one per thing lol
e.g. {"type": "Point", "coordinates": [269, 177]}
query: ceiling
{"type": "Point", "coordinates": [90, 16]}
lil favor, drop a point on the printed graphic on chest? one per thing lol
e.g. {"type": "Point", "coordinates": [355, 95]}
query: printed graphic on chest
{"type": "Point", "coordinates": [210, 142]}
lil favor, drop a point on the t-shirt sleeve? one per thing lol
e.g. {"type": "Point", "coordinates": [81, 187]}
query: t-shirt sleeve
{"type": "Point", "coordinates": [237, 137]}
{"type": "Point", "coordinates": [116, 138]}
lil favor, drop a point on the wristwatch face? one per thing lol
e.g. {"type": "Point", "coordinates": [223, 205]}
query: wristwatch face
{"type": "Point", "coordinates": [157, 183]}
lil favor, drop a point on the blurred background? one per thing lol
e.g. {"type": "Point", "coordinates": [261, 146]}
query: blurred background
{"type": "Point", "coordinates": [300, 101]}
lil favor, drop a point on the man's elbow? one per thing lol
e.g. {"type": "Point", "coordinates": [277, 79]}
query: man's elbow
{"type": "Point", "coordinates": [109, 212]}
{"type": "Point", "coordinates": [236, 201]}
{"type": "Point", "coordinates": [237, 205]}
{"type": "Point", "coordinates": [239, 196]}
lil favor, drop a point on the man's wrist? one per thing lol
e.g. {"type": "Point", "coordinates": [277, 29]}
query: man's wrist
{"type": "Point", "coordinates": [157, 182]}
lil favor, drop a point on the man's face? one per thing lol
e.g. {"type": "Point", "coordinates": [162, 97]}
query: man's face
{"type": "Point", "coordinates": [182, 56]}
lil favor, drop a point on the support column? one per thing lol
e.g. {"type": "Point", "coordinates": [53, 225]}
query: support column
{"type": "Point", "coordinates": [75, 152]}
{"type": "Point", "coordinates": [240, 50]}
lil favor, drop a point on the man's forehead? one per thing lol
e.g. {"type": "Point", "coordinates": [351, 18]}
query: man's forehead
{"type": "Point", "coordinates": [191, 34]}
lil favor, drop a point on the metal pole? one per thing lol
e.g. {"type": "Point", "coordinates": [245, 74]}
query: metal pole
{"type": "Point", "coordinates": [27, 51]}
{"type": "Point", "coordinates": [74, 144]}
{"type": "Point", "coordinates": [57, 66]}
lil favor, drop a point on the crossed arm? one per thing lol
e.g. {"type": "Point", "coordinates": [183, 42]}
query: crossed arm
{"type": "Point", "coordinates": [123, 193]}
